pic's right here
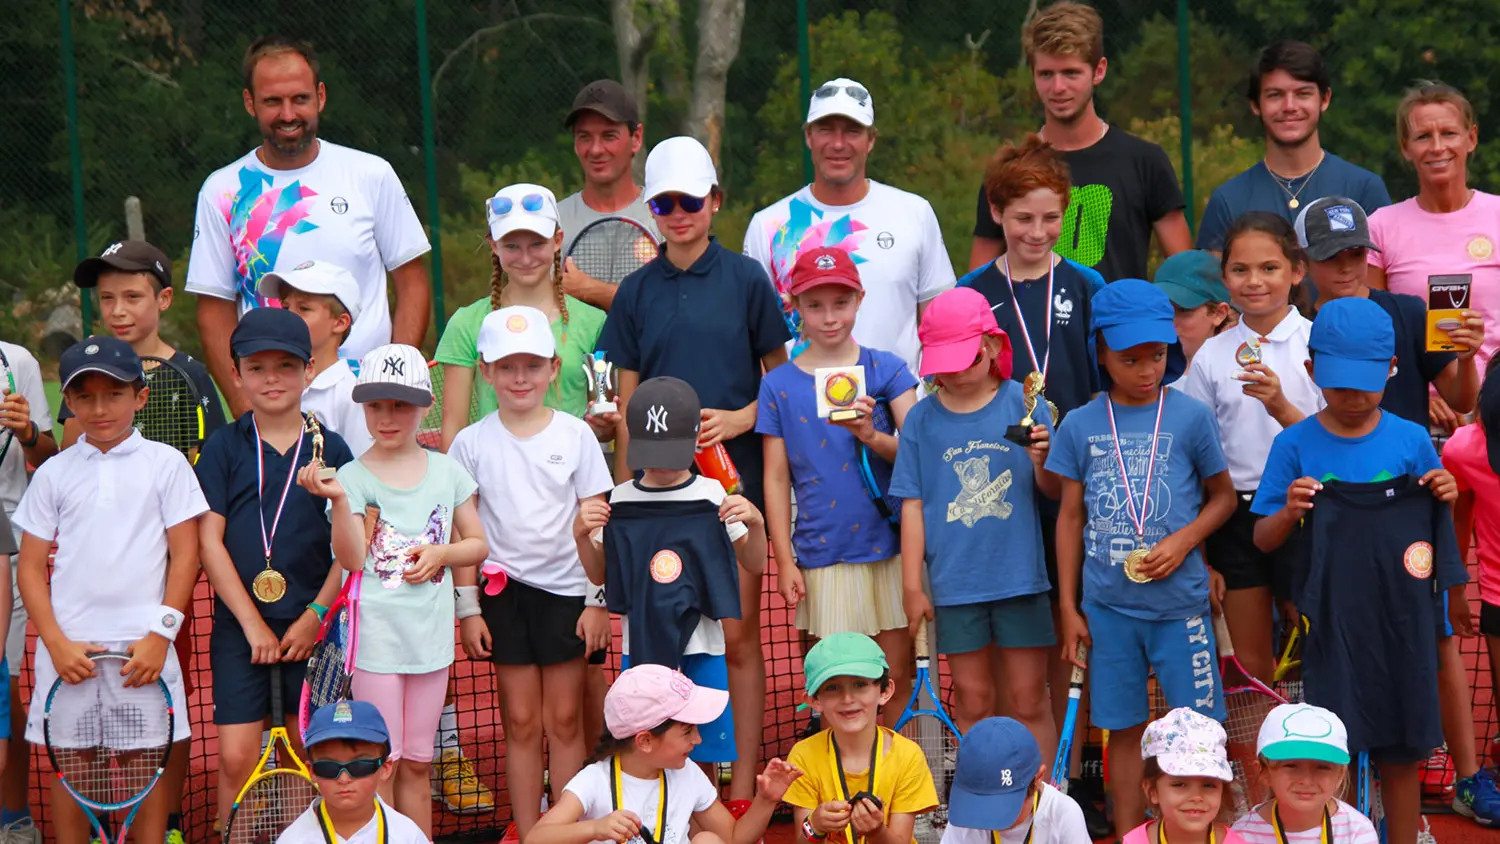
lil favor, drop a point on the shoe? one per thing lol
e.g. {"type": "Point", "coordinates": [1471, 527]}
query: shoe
{"type": "Point", "coordinates": [21, 831]}
{"type": "Point", "coordinates": [1477, 798]}
{"type": "Point", "coordinates": [174, 836]}
{"type": "Point", "coordinates": [455, 784]}
{"type": "Point", "coordinates": [512, 834]}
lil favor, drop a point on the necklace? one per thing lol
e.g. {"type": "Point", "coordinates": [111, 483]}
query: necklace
{"type": "Point", "coordinates": [1286, 184]}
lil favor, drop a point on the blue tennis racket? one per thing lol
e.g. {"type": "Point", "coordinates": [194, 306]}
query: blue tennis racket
{"type": "Point", "coordinates": [875, 471]}
{"type": "Point", "coordinates": [925, 722]}
{"type": "Point", "coordinates": [1064, 761]}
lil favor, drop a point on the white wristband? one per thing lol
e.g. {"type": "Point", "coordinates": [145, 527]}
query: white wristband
{"type": "Point", "coordinates": [594, 597]}
{"type": "Point", "coordinates": [467, 604]}
{"type": "Point", "coordinates": [168, 624]}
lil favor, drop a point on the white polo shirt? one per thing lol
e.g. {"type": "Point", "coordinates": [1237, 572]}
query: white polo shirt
{"type": "Point", "coordinates": [1245, 427]}
{"type": "Point", "coordinates": [1057, 820]}
{"type": "Point", "coordinates": [308, 829]}
{"type": "Point", "coordinates": [109, 512]}
{"type": "Point", "coordinates": [28, 375]}
{"type": "Point", "coordinates": [330, 397]}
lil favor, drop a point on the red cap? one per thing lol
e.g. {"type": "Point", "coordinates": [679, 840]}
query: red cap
{"type": "Point", "coordinates": [824, 265]}
{"type": "Point", "coordinates": [951, 330]}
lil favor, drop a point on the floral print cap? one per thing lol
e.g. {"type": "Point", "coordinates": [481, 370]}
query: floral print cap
{"type": "Point", "coordinates": [1185, 743]}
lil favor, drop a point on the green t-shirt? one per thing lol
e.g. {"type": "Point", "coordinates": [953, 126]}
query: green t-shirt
{"type": "Point", "coordinates": [569, 393]}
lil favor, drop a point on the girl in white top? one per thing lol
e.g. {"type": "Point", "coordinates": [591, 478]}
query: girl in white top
{"type": "Point", "coordinates": [1254, 376]}
{"type": "Point", "coordinates": [425, 521]}
{"type": "Point", "coordinates": [640, 784]}
{"type": "Point", "coordinates": [1304, 761]}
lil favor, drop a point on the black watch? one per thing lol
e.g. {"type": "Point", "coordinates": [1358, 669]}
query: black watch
{"type": "Point", "coordinates": [36, 434]}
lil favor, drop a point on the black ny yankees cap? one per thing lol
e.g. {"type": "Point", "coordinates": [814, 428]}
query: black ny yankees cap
{"type": "Point", "coordinates": [662, 416]}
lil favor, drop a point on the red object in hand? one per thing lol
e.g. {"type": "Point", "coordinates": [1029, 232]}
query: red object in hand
{"type": "Point", "coordinates": [713, 462]}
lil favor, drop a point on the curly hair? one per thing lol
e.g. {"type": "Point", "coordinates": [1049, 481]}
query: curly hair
{"type": "Point", "coordinates": [1065, 29]}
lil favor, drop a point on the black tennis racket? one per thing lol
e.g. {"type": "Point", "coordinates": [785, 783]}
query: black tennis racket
{"type": "Point", "coordinates": [173, 414]}
{"type": "Point", "coordinates": [875, 471]}
{"type": "Point", "coordinates": [611, 248]}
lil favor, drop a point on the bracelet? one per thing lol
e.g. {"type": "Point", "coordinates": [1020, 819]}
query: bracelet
{"type": "Point", "coordinates": [36, 434]}
{"type": "Point", "coordinates": [318, 609]}
{"type": "Point", "coordinates": [811, 834]}
{"type": "Point", "coordinates": [594, 597]}
{"type": "Point", "coordinates": [169, 623]}
{"type": "Point", "coordinates": [466, 602]}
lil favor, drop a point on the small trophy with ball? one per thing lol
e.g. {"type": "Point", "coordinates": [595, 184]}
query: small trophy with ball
{"type": "Point", "coordinates": [839, 388]}
{"type": "Point", "coordinates": [603, 385]}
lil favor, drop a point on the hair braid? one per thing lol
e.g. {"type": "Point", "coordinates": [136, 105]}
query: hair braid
{"type": "Point", "coordinates": [497, 280]}
{"type": "Point", "coordinates": [557, 288]}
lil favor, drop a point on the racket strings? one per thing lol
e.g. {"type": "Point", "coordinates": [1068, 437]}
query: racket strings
{"type": "Point", "coordinates": [327, 681]}
{"type": "Point", "coordinates": [114, 753]}
{"type": "Point", "coordinates": [612, 249]}
{"type": "Point", "coordinates": [170, 415]}
{"type": "Point", "coordinates": [940, 750]}
{"type": "Point", "coordinates": [271, 804]}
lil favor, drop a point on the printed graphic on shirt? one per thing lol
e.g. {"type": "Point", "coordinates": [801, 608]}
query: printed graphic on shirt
{"type": "Point", "coordinates": [1110, 533]}
{"type": "Point", "coordinates": [1418, 560]}
{"type": "Point", "coordinates": [1204, 687]}
{"type": "Point", "coordinates": [390, 550]}
{"type": "Point", "coordinates": [1062, 308]}
{"type": "Point", "coordinates": [806, 229]}
{"type": "Point", "coordinates": [979, 494]}
{"type": "Point", "coordinates": [260, 218]}
{"type": "Point", "coordinates": [1086, 224]}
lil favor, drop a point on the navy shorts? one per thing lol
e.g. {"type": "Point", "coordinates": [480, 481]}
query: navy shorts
{"type": "Point", "coordinates": [531, 626]}
{"type": "Point", "coordinates": [710, 671]}
{"type": "Point", "coordinates": [1489, 619]}
{"type": "Point", "coordinates": [1127, 650]}
{"type": "Point", "coordinates": [242, 691]}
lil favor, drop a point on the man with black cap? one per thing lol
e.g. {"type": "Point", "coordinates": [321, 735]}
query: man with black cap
{"type": "Point", "coordinates": [607, 134]}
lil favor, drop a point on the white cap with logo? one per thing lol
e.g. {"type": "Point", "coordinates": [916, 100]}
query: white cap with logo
{"type": "Point", "coordinates": [395, 372]}
{"type": "Point", "coordinates": [521, 207]}
{"type": "Point", "coordinates": [1302, 731]}
{"type": "Point", "coordinates": [680, 165]}
{"type": "Point", "coordinates": [843, 97]}
{"type": "Point", "coordinates": [321, 278]}
{"type": "Point", "coordinates": [516, 330]}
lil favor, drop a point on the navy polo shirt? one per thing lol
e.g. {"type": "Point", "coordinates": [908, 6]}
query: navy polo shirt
{"type": "Point", "coordinates": [1406, 392]}
{"type": "Point", "coordinates": [709, 325]}
{"type": "Point", "coordinates": [302, 548]}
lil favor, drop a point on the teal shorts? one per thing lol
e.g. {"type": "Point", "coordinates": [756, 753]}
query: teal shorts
{"type": "Point", "coordinates": [1024, 621]}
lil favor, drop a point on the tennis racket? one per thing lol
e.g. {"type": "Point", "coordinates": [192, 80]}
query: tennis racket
{"type": "Point", "coordinates": [611, 248]}
{"type": "Point", "coordinates": [173, 414]}
{"type": "Point", "coordinates": [1288, 676]}
{"type": "Point", "coordinates": [330, 668]}
{"type": "Point", "coordinates": [875, 471]}
{"type": "Point", "coordinates": [925, 722]}
{"type": "Point", "coordinates": [278, 793]}
{"type": "Point", "coordinates": [107, 743]}
{"type": "Point", "coordinates": [430, 431]}
{"type": "Point", "coordinates": [9, 384]}
{"type": "Point", "coordinates": [1064, 761]}
{"type": "Point", "coordinates": [1247, 702]}
{"type": "Point", "coordinates": [1367, 793]}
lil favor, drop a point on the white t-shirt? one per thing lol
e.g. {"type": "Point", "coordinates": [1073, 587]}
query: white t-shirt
{"type": "Point", "coordinates": [1058, 820]}
{"type": "Point", "coordinates": [708, 636]}
{"type": "Point", "coordinates": [1349, 827]}
{"type": "Point", "coordinates": [688, 791]}
{"type": "Point", "coordinates": [109, 512]}
{"type": "Point", "coordinates": [330, 397]}
{"type": "Point", "coordinates": [1245, 426]}
{"type": "Point", "coordinates": [528, 495]}
{"type": "Point", "coordinates": [28, 375]}
{"type": "Point", "coordinates": [573, 214]}
{"type": "Point", "coordinates": [308, 829]}
{"type": "Point", "coordinates": [347, 208]}
{"type": "Point", "coordinates": [895, 240]}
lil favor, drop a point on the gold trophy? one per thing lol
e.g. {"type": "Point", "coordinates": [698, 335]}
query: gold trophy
{"type": "Point", "coordinates": [1031, 391]}
{"type": "Point", "coordinates": [325, 472]}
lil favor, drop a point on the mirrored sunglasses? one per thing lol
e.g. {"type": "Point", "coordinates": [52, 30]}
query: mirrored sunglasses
{"type": "Point", "coordinates": [665, 204]}
{"type": "Point", "coordinates": [858, 94]}
{"type": "Point", "coordinates": [502, 205]}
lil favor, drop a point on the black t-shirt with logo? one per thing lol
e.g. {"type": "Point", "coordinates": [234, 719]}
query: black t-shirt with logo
{"type": "Point", "coordinates": [1121, 186]}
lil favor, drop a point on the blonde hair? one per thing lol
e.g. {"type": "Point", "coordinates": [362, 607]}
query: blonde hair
{"type": "Point", "coordinates": [499, 279]}
{"type": "Point", "coordinates": [1065, 29]}
{"type": "Point", "coordinates": [336, 308]}
{"type": "Point", "coordinates": [1428, 92]}
{"type": "Point", "coordinates": [1342, 787]}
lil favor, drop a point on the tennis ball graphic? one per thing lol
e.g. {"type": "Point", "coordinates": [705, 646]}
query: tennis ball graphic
{"type": "Point", "coordinates": [841, 390]}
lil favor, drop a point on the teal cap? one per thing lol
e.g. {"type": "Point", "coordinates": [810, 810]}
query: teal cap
{"type": "Point", "coordinates": [1191, 279]}
{"type": "Point", "coordinates": [843, 655]}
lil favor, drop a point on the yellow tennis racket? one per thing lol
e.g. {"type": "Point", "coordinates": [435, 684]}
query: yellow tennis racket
{"type": "Point", "coordinates": [281, 788]}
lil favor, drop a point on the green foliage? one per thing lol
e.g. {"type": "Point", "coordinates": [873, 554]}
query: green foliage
{"type": "Point", "coordinates": [1142, 81]}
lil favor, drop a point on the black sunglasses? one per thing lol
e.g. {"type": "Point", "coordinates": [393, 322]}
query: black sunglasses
{"type": "Point", "coordinates": [327, 769]}
{"type": "Point", "coordinates": [860, 95]}
{"type": "Point", "coordinates": [665, 204]}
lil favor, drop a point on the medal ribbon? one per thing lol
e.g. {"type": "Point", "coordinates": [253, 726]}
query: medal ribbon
{"type": "Point", "coordinates": [330, 836]}
{"type": "Point", "coordinates": [617, 791]}
{"type": "Point", "coordinates": [838, 767]}
{"type": "Point", "coordinates": [1161, 834]}
{"type": "Point", "coordinates": [266, 537]}
{"type": "Point", "coordinates": [1036, 803]}
{"type": "Point", "coordinates": [1281, 835]}
{"type": "Point", "coordinates": [1038, 364]}
{"type": "Point", "coordinates": [1114, 432]}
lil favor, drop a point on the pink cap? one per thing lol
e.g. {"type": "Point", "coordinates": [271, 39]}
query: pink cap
{"type": "Point", "coordinates": [951, 330]}
{"type": "Point", "coordinates": [646, 696]}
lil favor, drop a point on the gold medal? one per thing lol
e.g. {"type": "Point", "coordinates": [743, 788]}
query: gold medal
{"type": "Point", "coordinates": [1133, 562]}
{"type": "Point", "coordinates": [269, 586]}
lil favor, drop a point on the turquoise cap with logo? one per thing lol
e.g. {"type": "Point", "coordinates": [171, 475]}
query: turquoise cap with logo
{"type": "Point", "coordinates": [843, 655]}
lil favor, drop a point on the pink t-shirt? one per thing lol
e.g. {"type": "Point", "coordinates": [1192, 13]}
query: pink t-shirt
{"type": "Point", "coordinates": [1415, 244]}
{"type": "Point", "coordinates": [1138, 836]}
{"type": "Point", "coordinates": [1466, 455]}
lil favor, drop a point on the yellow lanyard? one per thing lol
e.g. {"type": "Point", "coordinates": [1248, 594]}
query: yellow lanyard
{"type": "Point", "coordinates": [838, 772]}
{"type": "Point", "coordinates": [330, 836]}
{"type": "Point", "coordinates": [617, 791]}
{"type": "Point", "coordinates": [1036, 803]}
{"type": "Point", "coordinates": [1161, 834]}
{"type": "Point", "coordinates": [1281, 835]}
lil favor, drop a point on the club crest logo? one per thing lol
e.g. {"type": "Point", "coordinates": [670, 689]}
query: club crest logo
{"type": "Point", "coordinates": [1340, 218]}
{"type": "Point", "coordinates": [826, 262]}
{"type": "Point", "coordinates": [303, 266]}
{"type": "Point", "coordinates": [666, 567]}
{"type": "Point", "coordinates": [516, 323]}
{"type": "Point", "coordinates": [1480, 247]}
{"type": "Point", "coordinates": [1418, 560]}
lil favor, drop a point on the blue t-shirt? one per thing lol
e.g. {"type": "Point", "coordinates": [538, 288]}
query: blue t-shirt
{"type": "Point", "coordinates": [1416, 368]}
{"type": "Point", "coordinates": [836, 520]}
{"type": "Point", "coordinates": [1308, 450]}
{"type": "Point", "coordinates": [1187, 453]}
{"type": "Point", "coordinates": [979, 513]}
{"type": "Point", "coordinates": [1257, 190]}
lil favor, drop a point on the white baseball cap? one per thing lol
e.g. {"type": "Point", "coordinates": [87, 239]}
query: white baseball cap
{"type": "Point", "coordinates": [522, 207]}
{"type": "Point", "coordinates": [394, 371]}
{"type": "Point", "coordinates": [842, 97]}
{"type": "Point", "coordinates": [1186, 743]}
{"type": "Point", "coordinates": [680, 165]}
{"type": "Point", "coordinates": [517, 330]}
{"type": "Point", "coordinates": [1303, 731]}
{"type": "Point", "coordinates": [321, 278]}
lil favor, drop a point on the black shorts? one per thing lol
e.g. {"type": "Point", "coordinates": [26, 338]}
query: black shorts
{"type": "Point", "coordinates": [1232, 553]}
{"type": "Point", "coordinates": [242, 691]}
{"type": "Point", "coordinates": [1489, 619]}
{"type": "Point", "coordinates": [531, 626]}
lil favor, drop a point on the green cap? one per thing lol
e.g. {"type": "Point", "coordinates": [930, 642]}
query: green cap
{"type": "Point", "coordinates": [843, 655]}
{"type": "Point", "coordinates": [1192, 278]}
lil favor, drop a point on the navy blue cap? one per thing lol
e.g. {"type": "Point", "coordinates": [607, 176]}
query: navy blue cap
{"type": "Point", "coordinates": [1354, 341]}
{"type": "Point", "coordinates": [1130, 312]}
{"type": "Point", "coordinates": [1191, 279]}
{"type": "Point", "coordinates": [997, 761]}
{"type": "Point", "coordinates": [268, 330]}
{"type": "Point", "coordinates": [347, 720]}
{"type": "Point", "coordinates": [107, 355]}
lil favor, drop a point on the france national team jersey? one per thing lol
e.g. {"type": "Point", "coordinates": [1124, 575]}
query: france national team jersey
{"type": "Point", "coordinates": [1187, 453]}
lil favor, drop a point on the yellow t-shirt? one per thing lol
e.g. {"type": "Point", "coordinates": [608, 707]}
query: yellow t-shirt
{"type": "Point", "coordinates": [903, 780]}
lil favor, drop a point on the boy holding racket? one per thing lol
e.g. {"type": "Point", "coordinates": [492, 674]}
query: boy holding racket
{"type": "Point", "coordinates": [266, 542]}
{"type": "Point", "coordinates": [123, 511]}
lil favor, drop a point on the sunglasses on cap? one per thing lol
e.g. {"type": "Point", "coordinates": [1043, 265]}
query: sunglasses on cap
{"type": "Point", "coordinates": [327, 769]}
{"type": "Point", "coordinates": [860, 95]}
{"type": "Point", "coordinates": [502, 205]}
{"type": "Point", "coordinates": [665, 204]}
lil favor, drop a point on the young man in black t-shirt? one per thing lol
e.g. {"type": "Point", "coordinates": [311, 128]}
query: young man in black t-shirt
{"type": "Point", "coordinates": [1124, 188]}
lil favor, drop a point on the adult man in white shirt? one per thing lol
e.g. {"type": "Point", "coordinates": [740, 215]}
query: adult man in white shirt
{"type": "Point", "coordinates": [892, 235]}
{"type": "Point", "coordinates": [297, 198]}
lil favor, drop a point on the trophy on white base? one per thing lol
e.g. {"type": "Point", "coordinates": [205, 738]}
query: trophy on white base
{"type": "Point", "coordinates": [603, 385]}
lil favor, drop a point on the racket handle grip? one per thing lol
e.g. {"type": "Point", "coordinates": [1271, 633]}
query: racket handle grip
{"type": "Point", "coordinates": [1083, 657]}
{"type": "Point", "coordinates": [922, 642]}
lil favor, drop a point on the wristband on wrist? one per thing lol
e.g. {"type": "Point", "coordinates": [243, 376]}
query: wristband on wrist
{"type": "Point", "coordinates": [168, 623]}
{"type": "Point", "coordinates": [594, 597]}
{"type": "Point", "coordinates": [36, 434]}
{"type": "Point", "coordinates": [466, 604]}
{"type": "Point", "coordinates": [319, 610]}
{"type": "Point", "coordinates": [812, 834]}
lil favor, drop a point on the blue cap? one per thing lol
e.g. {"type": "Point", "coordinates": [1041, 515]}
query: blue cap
{"type": "Point", "coordinates": [271, 330]}
{"type": "Point", "coordinates": [347, 720]}
{"type": "Point", "coordinates": [1130, 312]}
{"type": "Point", "coordinates": [997, 761]}
{"type": "Point", "coordinates": [1353, 340]}
{"type": "Point", "coordinates": [1191, 279]}
{"type": "Point", "coordinates": [107, 355]}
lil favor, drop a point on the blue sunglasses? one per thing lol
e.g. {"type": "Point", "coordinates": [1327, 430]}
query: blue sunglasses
{"type": "Point", "coordinates": [502, 205]}
{"type": "Point", "coordinates": [665, 204]}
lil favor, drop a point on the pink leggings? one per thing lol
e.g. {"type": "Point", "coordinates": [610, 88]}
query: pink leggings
{"type": "Point", "coordinates": [411, 705]}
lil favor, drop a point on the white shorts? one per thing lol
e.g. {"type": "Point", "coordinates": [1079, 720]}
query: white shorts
{"type": "Point", "coordinates": [15, 644]}
{"type": "Point", "coordinates": [112, 696]}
